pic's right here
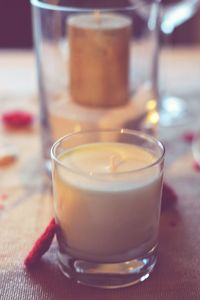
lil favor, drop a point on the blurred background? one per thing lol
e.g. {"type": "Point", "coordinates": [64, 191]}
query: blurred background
{"type": "Point", "coordinates": [15, 24]}
{"type": "Point", "coordinates": [16, 32]}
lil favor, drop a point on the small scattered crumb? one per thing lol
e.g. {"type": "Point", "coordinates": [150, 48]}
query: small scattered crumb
{"type": "Point", "coordinates": [8, 155]}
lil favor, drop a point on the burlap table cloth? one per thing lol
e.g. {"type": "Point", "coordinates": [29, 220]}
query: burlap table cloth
{"type": "Point", "coordinates": [27, 207]}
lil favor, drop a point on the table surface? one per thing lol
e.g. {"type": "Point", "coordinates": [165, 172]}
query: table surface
{"type": "Point", "coordinates": [26, 203]}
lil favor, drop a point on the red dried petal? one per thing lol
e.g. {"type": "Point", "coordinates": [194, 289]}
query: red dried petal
{"type": "Point", "coordinates": [189, 137]}
{"type": "Point", "coordinates": [17, 118]}
{"type": "Point", "coordinates": [41, 246]}
{"type": "Point", "coordinates": [196, 166]}
{"type": "Point", "coordinates": [169, 196]}
{"type": "Point", "coordinates": [3, 196]}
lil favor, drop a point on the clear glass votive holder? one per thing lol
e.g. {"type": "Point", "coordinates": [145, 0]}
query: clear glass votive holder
{"type": "Point", "coordinates": [107, 187]}
{"type": "Point", "coordinates": [97, 65]}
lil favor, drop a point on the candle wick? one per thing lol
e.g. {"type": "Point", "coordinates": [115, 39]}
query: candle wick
{"type": "Point", "coordinates": [115, 161]}
{"type": "Point", "coordinates": [97, 16]}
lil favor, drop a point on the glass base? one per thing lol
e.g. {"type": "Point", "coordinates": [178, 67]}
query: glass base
{"type": "Point", "coordinates": [108, 275]}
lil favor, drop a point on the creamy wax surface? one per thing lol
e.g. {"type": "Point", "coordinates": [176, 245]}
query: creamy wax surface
{"type": "Point", "coordinates": [107, 201]}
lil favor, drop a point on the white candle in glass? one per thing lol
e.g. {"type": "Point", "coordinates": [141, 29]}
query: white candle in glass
{"type": "Point", "coordinates": [107, 201]}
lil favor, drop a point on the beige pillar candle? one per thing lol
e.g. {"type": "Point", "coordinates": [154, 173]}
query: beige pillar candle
{"type": "Point", "coordinates": [99, 59]}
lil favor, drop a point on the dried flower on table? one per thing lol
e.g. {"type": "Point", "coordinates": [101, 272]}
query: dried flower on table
{"type": "Point", "coordinates": [17, 119]}
{"type": "Point", "coordinates": [169, 197]}
{"type": "Point", "coordinates": [41, 246]}
{"type": "Point", "coordinates": [189, 137]}
{"type": "Point", "coordinates": [196, 166]}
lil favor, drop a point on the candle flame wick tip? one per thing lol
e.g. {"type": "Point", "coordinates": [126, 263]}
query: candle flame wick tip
{"type": "Point", "coordinates": [97, 15]}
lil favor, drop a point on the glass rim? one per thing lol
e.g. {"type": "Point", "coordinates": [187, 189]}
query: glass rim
{"type": "Point", "coordinates": [55, 7]}
{"type": "Point", "coordinates": [135, 133]}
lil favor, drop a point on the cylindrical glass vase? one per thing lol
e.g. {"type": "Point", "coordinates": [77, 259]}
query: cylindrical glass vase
{"type": "Point", "coordinates": [97, 65]}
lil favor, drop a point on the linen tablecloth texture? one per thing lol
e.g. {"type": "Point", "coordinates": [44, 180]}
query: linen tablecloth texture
{"type": "Point", "coordinates": [26, 202]}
